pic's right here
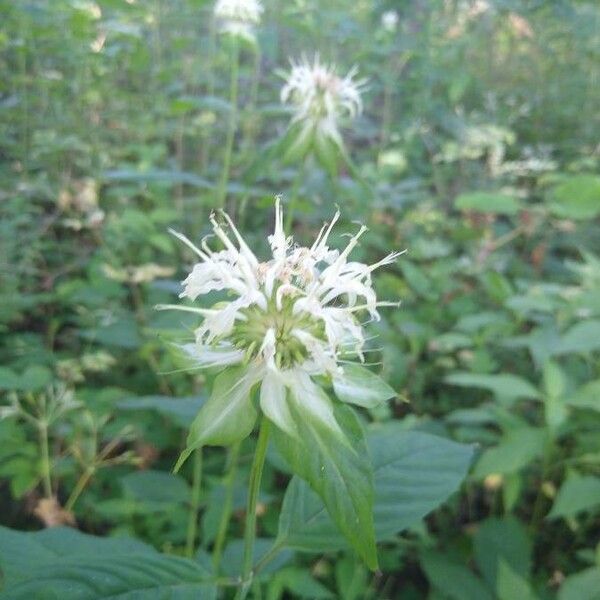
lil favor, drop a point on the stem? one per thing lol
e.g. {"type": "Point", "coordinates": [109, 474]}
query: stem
{"type": "Point", "coordinates": [254, 488]}
{"type": "Point", "coordinates": [234, 454]}
{"type": "Point", "coordinates": [233, 99]}
{"type": "Point", "coordinates": [79, 487]}
{"type": "Point", "coordinates": [538, 505]}
{"type": "Point", "coordinates": [192, 527]}
{"type": "Point", "coordinates": [46, 477]}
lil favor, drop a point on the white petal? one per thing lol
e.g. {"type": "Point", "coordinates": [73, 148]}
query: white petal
{"type": "Point", "coordinates": [274, 403]}
{"type": "Point", "coordinates": [213, 356]}
{"type": "Point", "coordinates": [312, 401]}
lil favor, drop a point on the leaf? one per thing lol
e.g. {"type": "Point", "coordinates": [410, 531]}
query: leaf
{"type": "Point", "coordinates": [502, 540]}
{"type": "Point", "coordinates": [451, 578]}
{"type": "Point", "coordinates": [488, 202]}
{"type": "Point", "coordinates": [577, 494]}
{"type": "Point", "coordinates": [576, 197]}
{"type": "Point", "coordinates": [584, 585]}
{"type": "Point", "coordinates": [504, 386]}
{"type": "Point", "coordinates": [357, 385]}
{"type": "Point", "coordinates": [413, 473]}
{"type": "Point", "coordinates": [227, 417]}
{"type": "Point", "coordinates": [9, 380]}
{"type": "Point", "coordinates": [515, 451]}
{"type": "Point", "coordinates": [300, 583]}
{"type": "Point", "coordinates": [158, 489]}
{"type": "Point", "coordinates": [180, 411]}
{"type": "Point", "coordinates": [64, 564]}
{"type": "Point", "coordinates": [511, 585]}
{"type": "Point", "coordinates": [587, 396]}
{"type": "Point", "coordinates": [582, 337]}
{"type": "Point", "coordinates": [340, 473]}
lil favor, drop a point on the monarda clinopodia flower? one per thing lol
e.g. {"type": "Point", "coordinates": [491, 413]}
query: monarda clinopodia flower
{"type": "Point", "coordinates": [283, 335]}
{"type": "Point", "coordinates": [321, 100]}
{"type": "Point", "coordinates": [289, 320]}
{"type": "Point", "coordinates": [238, 17]}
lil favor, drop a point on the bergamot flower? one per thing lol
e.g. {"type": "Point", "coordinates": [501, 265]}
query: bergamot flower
{"type": "Point", "coordinates": [321, 99]}
{"type": "Point", "coordinates": [288, 324]}
{"type": "Point", "coordinates": [238, 17]}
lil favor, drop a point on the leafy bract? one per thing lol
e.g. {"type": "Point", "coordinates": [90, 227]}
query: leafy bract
{"type": "Point", "coordinates": [413, 473]}
{"type": "Point", "coordinates": [339, 472]}
{"type": "Point", "coordinates": [357, 385]}
{"type": "Point", "coordinates": [227, 417]}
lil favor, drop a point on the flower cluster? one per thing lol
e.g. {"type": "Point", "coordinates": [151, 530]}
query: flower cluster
{"type": "Point", "coordinates": [289, 319]}
{"type": "Point", "coordinates": [321, 98]}
{"type": "Point", "coordinates": [238, 17]}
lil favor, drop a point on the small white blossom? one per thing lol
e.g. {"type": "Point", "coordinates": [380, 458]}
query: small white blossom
{"type": "Point", "coordinates": [389, 20]}
{"type": "Point", "coordinates": [289, 319]}
{"type": "Point", "coordinates": [238, 17]}
{"type": "Point", "coordinates": [321, 98]}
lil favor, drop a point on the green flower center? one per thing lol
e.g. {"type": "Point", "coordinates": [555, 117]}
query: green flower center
{"type": "Point", "coordinates": [249, 335]}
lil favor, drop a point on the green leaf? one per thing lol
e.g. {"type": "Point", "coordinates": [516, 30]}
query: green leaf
{"type": "Point", "coordinates": [577, 494]}
{"type": "Point", "coordinates": [9, 380]}
{"type": "Point", "coordinates": [227, 417]}
{"type": "Point", "coordinates": [515, 451]}
{"type": "Point", "coordinates": [581, 586]}
{"type": "Point", "coordinates": [300, 583]}
{"type": "Point", "coordinates": [157, 489]}
{"type": "Point", "coordinates": [488, 202]}
{"type": "Point", "coordinates": [327, 153]}
{"type": "Point", "coordinates": [180, 411]}
{"type": "Point", "coordinates": [451, 578]}
{"type": "Point", "coordinates": [340, 473]}
{"type": "Point", "coordinates": [357, 385]}
{"type": "Point", "coordinates": [587, 396]}
{"type": "Point", "coordinates": [504, 386]}
{"type": "Point", "coordinates": [511, 585]}
{"type": "Point", "coordinates": [502, 540]}
{"type": "Point", "coordinates": [413, 474]}
{"type": "Point", "coordinates": [582, 337]}
{"type": "Point", "coordinates": [576, 197]}
{"type": "Point", "coordinates": [64, 564]}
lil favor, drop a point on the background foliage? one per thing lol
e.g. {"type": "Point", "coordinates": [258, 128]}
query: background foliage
{"type": "Point", "coordinates": [477, 151]}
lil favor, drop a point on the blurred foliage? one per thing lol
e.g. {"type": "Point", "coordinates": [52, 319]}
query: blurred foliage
{"type": "Point", "coordinates": [477, 151]}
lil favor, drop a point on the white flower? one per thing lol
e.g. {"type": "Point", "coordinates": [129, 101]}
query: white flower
{"type": "Point", "coordinates": [321, 98]}
{"type": "Point", "coordinates": [238, 17]}
{"type": "Point", "coordinates": [287, 320]}
{"type": "Point", "coordinates": [389, 20]}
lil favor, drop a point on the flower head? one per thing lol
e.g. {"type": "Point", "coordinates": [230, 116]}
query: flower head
{"type": "Point", "coordinates": [389, 20]}
{"type": "Point", "coordinates": [238, 17]}
{"type": "Point", "coordinates": [287, 320]}
{"type": "Point", "coordinates": [321, 98]}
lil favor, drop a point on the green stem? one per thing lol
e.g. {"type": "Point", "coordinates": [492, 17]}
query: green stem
{"type": "Point", "coordinates": [192, 527]}
{"type": "Point", "coordinates": [46, 469]}
{"type": "Point", "coordinates": [234, 454]}
{"type": "Point", "coordinates": [79, 487]}
{"type": "Point", "coordinates": [254, 488]}
{"type": "Point", "coordinates": [232, 124]}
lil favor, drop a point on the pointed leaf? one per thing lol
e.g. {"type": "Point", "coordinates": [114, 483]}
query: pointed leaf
{"type": "Point", "coordinates": [357, 385]}
{"type": "Point", "coordinates": [340, 473]}
{"type": "Point", "coordinates": [227, 417]}
{"type": "Point", "coordinates": [66, 564]}
{"type": "Point", "coordinates": [413, 473]}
